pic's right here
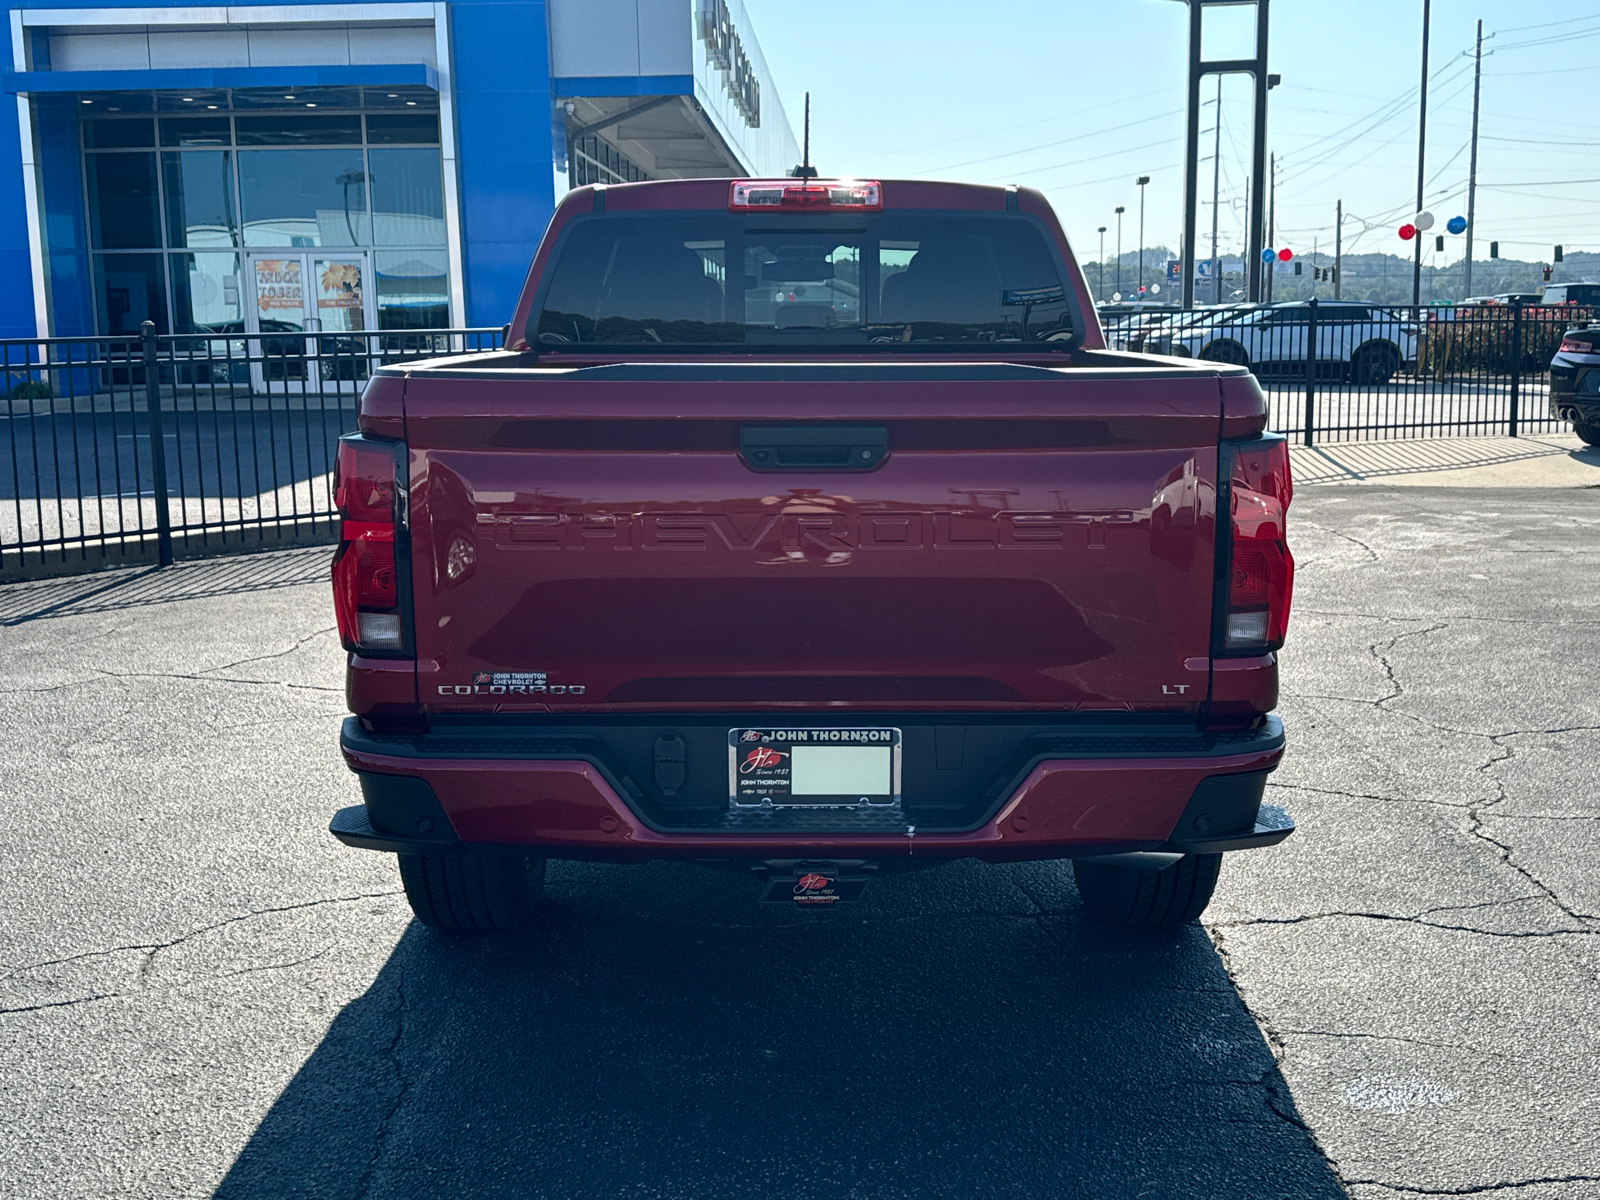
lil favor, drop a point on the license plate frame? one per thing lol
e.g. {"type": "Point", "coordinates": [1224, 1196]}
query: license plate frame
{"type": "Point", "coordinates": [764, 772]}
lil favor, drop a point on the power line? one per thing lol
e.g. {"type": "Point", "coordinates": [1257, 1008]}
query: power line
{"type": "Point", "coordinates": [1060, 142]}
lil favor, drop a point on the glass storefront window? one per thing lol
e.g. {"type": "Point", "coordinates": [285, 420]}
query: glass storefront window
{"type": "Point", "coordinates": [119, 134]}
{"type": "Point", "coordinates": [279, 130]}
{"type": "Point", "coordinates": [199, 198]}
{"type": "Point", "coordinates": [130, 289]}
{"type": "Point", "coordinates": [235, 199]}
{"type": "Point", "coordinates": [407, 197]}
{"type": "Point", "coordinates": [340, 292]}
{"type": "Point", "coordinates": [196, 131]}
{"type": "Point", "coordinates": [123, 201]}
{"type": "Point", "coordinates": [390, 128]}
{"type": "Point", "coordinates": [206, 293]}
{"type": "Point", "coordinates": [304, 198]}
{"type": "Point", "coordinates": [413, 289]}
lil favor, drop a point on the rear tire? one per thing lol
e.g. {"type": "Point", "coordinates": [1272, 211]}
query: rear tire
{"type": "Point", "coordinates": [1374, 365]}
{"type": "Point", "coordinates": [1225, 351]}
{"type": "Point", "coordinates": [462, 892]}
{"type": "Point", "coordinates": [1139, 896]}
{"type": "Point", "coordinates": [1587, 432]}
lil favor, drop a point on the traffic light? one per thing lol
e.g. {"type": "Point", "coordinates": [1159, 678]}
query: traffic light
{"type": "Point", "coordinates": [1438, 242]}
{"type": "Point", "coordinates": [1558, 254]}
{"type": "Point", "coordinates": [1297, 267]}
{"type": "Point", "coordinates": [1494, 249]}
{"type": "Point", "coordinates": [1548, 271]}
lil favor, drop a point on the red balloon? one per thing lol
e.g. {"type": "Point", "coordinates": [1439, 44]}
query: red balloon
{"type": "Point", "coordinates": [1407, 232]}
{"type": "Point", "coordinates": [1285, 254]}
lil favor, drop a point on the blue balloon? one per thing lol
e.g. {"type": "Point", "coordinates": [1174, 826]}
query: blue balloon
{"type": "Point", "coordinates": [1456, 224]}
{"type": "Point", "coordinates": [1269, 255]}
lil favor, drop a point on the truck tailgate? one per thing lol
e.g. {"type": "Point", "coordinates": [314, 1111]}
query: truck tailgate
{"type": "Point", "coordinates": [591, 538]}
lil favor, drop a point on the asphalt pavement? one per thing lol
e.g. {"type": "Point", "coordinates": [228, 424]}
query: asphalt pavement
{"type": "Point", "coordinates": [202, 994]}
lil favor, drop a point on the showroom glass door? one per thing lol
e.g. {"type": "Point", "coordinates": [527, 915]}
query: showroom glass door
{"type": "Point", "coordinates": [300, 305]}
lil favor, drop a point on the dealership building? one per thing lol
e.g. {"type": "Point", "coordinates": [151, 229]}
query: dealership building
{"type": "Point", "coordinates": [345, 166]}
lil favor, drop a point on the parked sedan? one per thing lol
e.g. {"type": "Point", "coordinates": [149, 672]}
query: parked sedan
{"type": "Point", "coordinates": [1370, 344]}
{"type": "Point", "coordinates": [1575, 382]}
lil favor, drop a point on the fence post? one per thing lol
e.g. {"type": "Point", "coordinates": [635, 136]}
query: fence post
{"type": "Point", "coordinates": [1311, 368]}
{"type": "Point", "coordinates": [1516, 361]}
{"type": "Point", "coordinates": [158, 443]}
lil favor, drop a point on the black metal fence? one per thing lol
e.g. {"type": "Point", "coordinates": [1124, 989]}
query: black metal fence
{"type": "Point", "coordinates": [1351, 371]}
{"type": "Point", "coordinates": [128, 450]}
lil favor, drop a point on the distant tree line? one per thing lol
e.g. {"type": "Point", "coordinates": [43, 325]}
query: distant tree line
{"type": "Point", "coordinates": [1375, 278]}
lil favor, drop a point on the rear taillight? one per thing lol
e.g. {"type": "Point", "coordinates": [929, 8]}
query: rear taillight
{"type": "Point", "coordinates": [809, 195]}
{"type": "Point", "coordinates": [1260, 575]}
{"type": "Point", "coordinates": [367, 577]}
{"type": "Point", "coordinates": [1572, 345]}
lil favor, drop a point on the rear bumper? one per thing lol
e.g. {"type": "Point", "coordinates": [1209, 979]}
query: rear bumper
{"type": "Point", "coordinates": [1173, 793]}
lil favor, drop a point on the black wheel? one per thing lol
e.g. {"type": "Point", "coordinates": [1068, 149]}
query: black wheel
{"type": "Point", "coordinates": [461, 892]}
{"type": "Point", "coordinates": [1589, 433]}
{"type": "Point", "coordinates": [1141, 896]}
{"type": "Point", "coordinates": [1374, 365]}
{"type": "Point", "coordinates": [1227, 352]}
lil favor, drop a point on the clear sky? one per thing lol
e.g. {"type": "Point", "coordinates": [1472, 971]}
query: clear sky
{"type": "Point", "coordinates": [1078, 98]}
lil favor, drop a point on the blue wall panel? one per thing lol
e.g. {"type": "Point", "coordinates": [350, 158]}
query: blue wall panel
{"type": "Point", "coordinates": [65, 232]}
{"type": "Point", "coordinates": [16, 268]}
{"type": "Point", "coordinates": [502, 87]}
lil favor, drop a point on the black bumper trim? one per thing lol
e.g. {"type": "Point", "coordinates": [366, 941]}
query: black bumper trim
{"type": "Point", "coordinates": [1272, 826]}
{"type": "Point", "coordinates": [350, 826]}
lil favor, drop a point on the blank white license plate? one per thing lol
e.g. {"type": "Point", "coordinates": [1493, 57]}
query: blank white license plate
{"type": "Point", "coordinates": [776, 767]}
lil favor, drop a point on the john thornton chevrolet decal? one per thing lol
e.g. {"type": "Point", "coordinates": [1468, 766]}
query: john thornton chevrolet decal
{"type": "Point", "coordinates": [511, 683]}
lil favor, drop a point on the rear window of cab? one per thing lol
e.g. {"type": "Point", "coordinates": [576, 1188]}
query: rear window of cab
{"type": "Point", "coordinates": [907, 279]}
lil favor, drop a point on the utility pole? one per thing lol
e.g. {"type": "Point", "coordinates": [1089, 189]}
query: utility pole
{"type": "Point", "coordinates": [1472, 171]}
{"type": "Point", "coordinates": [1338, 247]}
{"type": "Point", "coordinates": [1216, 177]}
{"type": "Point", "coordinates": [1142, 180]}
{"type": "Point", "coordinates": [1119, 249]}
{"type": "Point", "coordinates": [1422, 149]}
{"type": "Point", "coordinates": [1245, 270]}
{"type": "Point", "coordinates": [1100, 283]}
{"type": "Point", "coordinates": [1272, 221]}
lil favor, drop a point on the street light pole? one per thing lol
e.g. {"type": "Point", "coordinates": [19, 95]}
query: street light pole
{"type": "Point", "coordinates": [1472, 171]}
{"type": "Point", "coordinates": [1141, 181]}
{"type": "Point", "coordinates": [1100, 283]}
{"type": "Point", "coordinates": [1216, 183]}
{"type": "Point", "coordinates": [1120, 211]}
{"type": "Point", "coordinates": [1422, 147]}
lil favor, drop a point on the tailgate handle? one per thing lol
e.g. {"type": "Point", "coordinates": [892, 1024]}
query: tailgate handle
{"type": "Point", "coordinates": [813, 447]}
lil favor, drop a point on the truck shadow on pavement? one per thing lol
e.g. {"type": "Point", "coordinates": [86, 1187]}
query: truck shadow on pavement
{"type": "Point", "coordinates": [961, 1032]}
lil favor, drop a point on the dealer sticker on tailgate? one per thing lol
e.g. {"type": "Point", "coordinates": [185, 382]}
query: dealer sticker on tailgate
{"type": "Point", "coordinates": [813, 768]}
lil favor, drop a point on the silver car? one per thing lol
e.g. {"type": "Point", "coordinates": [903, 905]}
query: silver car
{"type": "Point", "coordinates": [1371, 343]}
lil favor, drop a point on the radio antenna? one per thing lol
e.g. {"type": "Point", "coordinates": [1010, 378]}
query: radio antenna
{"type": "Point", "coordinates": [805, 170]}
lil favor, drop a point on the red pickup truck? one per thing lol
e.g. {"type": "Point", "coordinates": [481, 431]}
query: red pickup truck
{"type": "Point", "coordinates": [807, 527]}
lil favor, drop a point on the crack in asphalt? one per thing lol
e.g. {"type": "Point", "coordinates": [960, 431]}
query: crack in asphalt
{"type": "Point", "coordinates": [269, 657]}
{"type": "Point", "coordinates": [402, 1080]}
{"type": "Point", "coordinates": [1391, 1037]}
{"type": "Point", "coordinates": [1373, 555]}
{"type": "Point", "coordinates": [193, 678]}
{"type": "Point", "coordinates": [1417, 919]}
{"type": "Point", "coordinates": [151, 950]}
{"type": "Point", "coordinates": [1279, 1099]}
{"type": "Point", "coordinates": [1477, 1189]}
{"type": "Point", "coordinates": [1450, 617]}
{"type": "Point", "coordinates": [1321, 791]}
